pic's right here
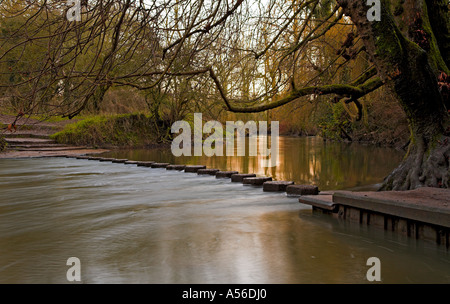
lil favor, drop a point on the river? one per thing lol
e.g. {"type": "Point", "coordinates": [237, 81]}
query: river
{"type": "Point", "coordinates": [129, 224]}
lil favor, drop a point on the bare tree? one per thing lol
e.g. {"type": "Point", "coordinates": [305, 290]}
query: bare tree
{"type": "Point", "coordinates": [253, 53]}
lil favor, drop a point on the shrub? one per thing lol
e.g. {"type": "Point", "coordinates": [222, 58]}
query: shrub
{"type": "Point", "coordinates": [128, 130]}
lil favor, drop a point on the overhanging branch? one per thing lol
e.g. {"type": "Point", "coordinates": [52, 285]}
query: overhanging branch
{"type": "Point", "coordinates": [350, 90]}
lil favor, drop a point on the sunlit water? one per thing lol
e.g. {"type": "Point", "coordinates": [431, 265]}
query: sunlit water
{"type": "Point", "coordinates": [130, 224]}
{"type": "Point", "coordinates": [306, 160]}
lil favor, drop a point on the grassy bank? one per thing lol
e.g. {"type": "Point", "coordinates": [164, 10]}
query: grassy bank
{"type": "Point", "coordinates": [127, 130]}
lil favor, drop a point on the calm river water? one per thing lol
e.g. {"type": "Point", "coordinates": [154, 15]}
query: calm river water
{"type": "Point", "coordinates": [130, 224]}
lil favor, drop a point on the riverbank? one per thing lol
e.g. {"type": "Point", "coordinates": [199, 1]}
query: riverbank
{"type": "Point", "coordinates": [112, 132]}
{"type": "Point", "coordinates": [49, 153]}
{"type": "Point", "coordinates": [28, 137]}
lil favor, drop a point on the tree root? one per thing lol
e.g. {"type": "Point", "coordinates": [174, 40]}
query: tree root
{"type": "Point", "coordinates": [422, 168]}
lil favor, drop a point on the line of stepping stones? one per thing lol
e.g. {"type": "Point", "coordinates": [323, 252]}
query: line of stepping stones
{"type": "Point", "coordinates": [267, 183]}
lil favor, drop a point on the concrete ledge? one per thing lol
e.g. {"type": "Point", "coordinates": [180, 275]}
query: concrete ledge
{"type": "Point", "coordinates": [225, 174]}
{"type": "Point", "coordinates": [428, 205]}
{"type": "Point", "coordinates": [257, 181]}
{"type": "Point", "coordinates": [159, 165]}
{"type": "Point", "coordinates": [302, 190]}
{"type": "Point", "coordinates": [207, 171]}
{"type": "Point", "coordinates": [176, 167]}
{"type": "Point", "coordinates": [420, 214]}
{"type": "Point", "coordinates": [193, 169]}
{"type": "Point", "coordinates": [238, 178]}
{"type": "Point", "coordinates": [326, 192]}
{"type": "Point", "coordinates": [324, 202]}
{"type": "Point", "coordinates": [273, 186]}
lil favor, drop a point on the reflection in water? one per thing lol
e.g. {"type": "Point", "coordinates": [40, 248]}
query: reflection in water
{"type": "Point", "coordinates": [130, 224]}
{"type": "Point", "coordinates": [307, 160]}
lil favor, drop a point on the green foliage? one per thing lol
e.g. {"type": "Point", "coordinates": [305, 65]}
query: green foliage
{"type": "Point", "coordinates": [335, 124]}
{"type": "Point", "coordinates": [129, 130]}
{"type": "Point", "coordinates": [377, 125]}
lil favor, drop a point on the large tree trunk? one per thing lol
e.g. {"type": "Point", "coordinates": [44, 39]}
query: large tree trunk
{"type": "Point", "coordinates": [406, 54]}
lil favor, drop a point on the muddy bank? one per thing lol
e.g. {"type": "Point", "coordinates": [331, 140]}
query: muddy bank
{"type": "Point", "coordinates": [28, 154]}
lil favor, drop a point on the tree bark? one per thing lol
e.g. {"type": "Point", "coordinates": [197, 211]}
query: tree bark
{"type": "Point", "coordinates": [410, 69]}
{"type": "Point", "coordinates": [439, 16]}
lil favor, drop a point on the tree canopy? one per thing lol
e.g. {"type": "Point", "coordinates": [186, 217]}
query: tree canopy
{"type": "Point", "coordinates": [256, 55]}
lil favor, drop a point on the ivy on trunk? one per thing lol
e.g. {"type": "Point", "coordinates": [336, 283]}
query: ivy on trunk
{"type": "Point", "coordinates": [409, 61]}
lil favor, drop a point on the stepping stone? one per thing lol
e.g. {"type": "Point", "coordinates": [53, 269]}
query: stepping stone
{"type": "Point", "coordinates": [193, 169]}
{"type": "Point", "coordinates": [94, 158]}
{"type": "Point", "coordinates": [302, 190]}
{"type": "Point", "coordinates": [176, 167]}
{"type": "Point", "coordinates": [207, 171]}
{"type": "Point", "coordinates": [82, 157]}
{"type": "Point", "coordinates": [119, 161]}
{"type": "Point", "coordinates": [225, 174]}
{"type": "Point", "coordinates": [238, 178]}
{"type": "Point", "coordinates": [273, 186]}
{"type": "Point", "coordinates": [131, 162]}
{"type": "Point", "coordinates": [159, 165]}
{"type": "Point", "coordinates": [257, 181]}
{"type": "Point", "coordinates": [105, 159]}
{"type": "Point", "coordinates": [145, 163]}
